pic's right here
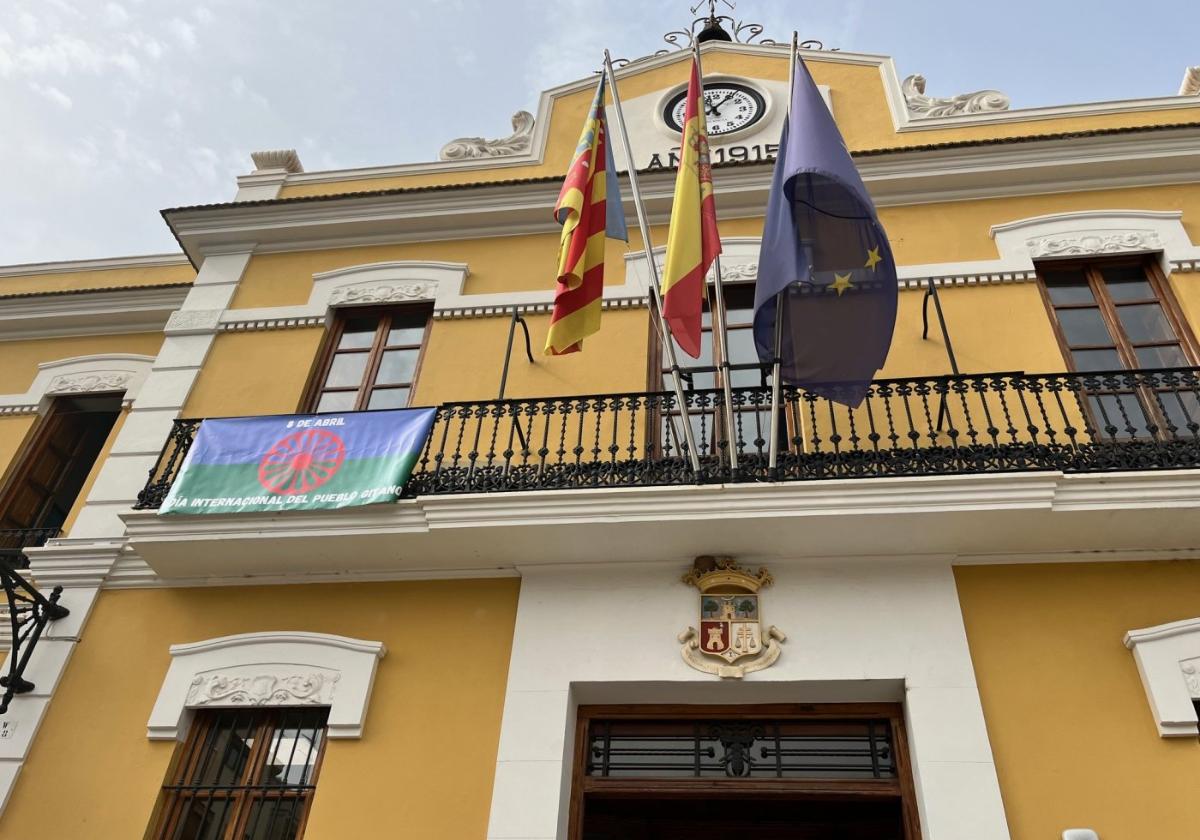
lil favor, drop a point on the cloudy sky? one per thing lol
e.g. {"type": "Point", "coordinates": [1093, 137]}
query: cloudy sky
{"type": "Point", "coordinates": [113, 109]}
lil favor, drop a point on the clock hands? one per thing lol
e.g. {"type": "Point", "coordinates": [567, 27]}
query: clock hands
{"type": "Point", "coordinates": [716, 108]}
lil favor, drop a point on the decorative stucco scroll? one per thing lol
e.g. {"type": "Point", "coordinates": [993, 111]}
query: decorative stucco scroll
{"type": "Point", "coordinates": [1094, 242]}
{"type": "Point", "coordinates": [739, 272]}
{"type": "Point", "coordinates": [1191, 676]}
{"type": "Point", "coordinates": [382, 293]}
{"type": "Point", "coordinates": [285, 159]}
{"type": "Point", "coordinates": [519, 142]}
{"type": "Point", "coordinates": [86, 383]}
{"type": "Point", "coordinates": [268, 686]}
{"type": "Point", "coordinates": [1191, 82]}
{"type": "Point", "coordinates": [920, 105]}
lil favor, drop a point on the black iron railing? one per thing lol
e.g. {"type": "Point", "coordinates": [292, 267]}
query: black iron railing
{"type": "Point", "coordinates": [943, 425]}
{"type": "Point", "coordinates": [14, 541]}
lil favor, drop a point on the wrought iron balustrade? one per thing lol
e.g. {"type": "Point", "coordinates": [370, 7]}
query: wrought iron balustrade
{"type": "Point", "coordinates": [14, 541]}
{"type": "Point", "coordinates": [941, 425]}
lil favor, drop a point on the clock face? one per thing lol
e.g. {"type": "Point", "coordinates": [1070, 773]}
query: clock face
{"type": "Point", "coordinates": [730, 107]}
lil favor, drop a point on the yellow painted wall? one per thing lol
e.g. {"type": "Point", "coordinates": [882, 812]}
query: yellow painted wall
{"type": "Point", "coordinates": [254, 373]}
{"type": "Point", "coordinates": [859, 103]}
{"type": "Point", "coordinates": [77, 281]}
{"type": "Point", "coordinates": [423, 768]}
{"type": "Point", "coordinates": [19, 360]}
{"type": "Point", "coordinates": [1070, 726]}
{"type": "Point", "coordinates": [1186, 286]}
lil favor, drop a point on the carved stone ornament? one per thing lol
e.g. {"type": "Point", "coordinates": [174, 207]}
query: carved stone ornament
{"type": "Point", "coordinates": [193, 321]}
{"type": "Point", "coordinates": [1191, 675]}
{"type": "Point", "coordinates": [265, 688]}
{"type": "Point", "coordinates": [739, 272]}
{"type": "Point", "coordinates": [920, 105]}
{"type": "Point", "coordinates": [285, 159]}
{"type": "Point", "coordinates": [382, 293]}
{"type": "Point", "coordinates": [1191, 82]}
{"type": "Point", "coordinates": [1094, 242]}
{"type": "Point", "coordinates": [731, 641]}
{"type": "Point", "coordinates": [519, 142]}
{"type": "Point", "coordinates": [85, 383]}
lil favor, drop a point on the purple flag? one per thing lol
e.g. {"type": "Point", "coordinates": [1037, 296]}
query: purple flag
{"type": "Point", "coordinates": [823, 249]}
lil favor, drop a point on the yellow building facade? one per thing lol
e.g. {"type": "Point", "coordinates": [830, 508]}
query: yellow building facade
{"type": "Point", "coordinates": [982, 616]}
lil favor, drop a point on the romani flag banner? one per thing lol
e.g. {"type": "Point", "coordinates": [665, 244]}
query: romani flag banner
{"type": "Point", "coordinates": [299, 462]}
{"type": "Point", "coordinates": [587, 218]}
{"type": "Point", "coordinates": [692, 241]}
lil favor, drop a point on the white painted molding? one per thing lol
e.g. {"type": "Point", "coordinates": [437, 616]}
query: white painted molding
{"type": "Point", "coordinates": [1094, 233]}
{"type": "Point", "coordinates": [104, 264]}
{"type": "Point", "coordinates": [441, 283]}
{"type": "Point", "coordinates": [268, 669]}
{"type": "Point", "coordinates": [1168, 659]}
{"type": "Point", "coordinates": [99, 374]}
{"type": "Point", "coordinates": [102, 312]}
{"type": "Point", "coordinates": [1080, 834]}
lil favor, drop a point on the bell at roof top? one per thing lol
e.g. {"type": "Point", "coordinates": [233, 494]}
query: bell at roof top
{"type": "Point", "coordinates": [713, 31]}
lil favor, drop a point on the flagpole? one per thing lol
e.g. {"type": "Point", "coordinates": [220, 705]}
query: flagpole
{"type": "Point", "coordinates": [776, 386]}
{"type": "Point", "coordinates": [722, 358]}
{"type": "Point", "coordinates": [655, 294]}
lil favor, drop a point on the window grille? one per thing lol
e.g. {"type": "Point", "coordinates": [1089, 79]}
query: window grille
{"type": "Point", "coordinates": [244, 774]}
{"type": "Point", "coordinates": [741, 749]}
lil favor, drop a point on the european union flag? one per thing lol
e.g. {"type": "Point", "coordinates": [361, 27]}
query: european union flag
{"type": "Point", "coordinates": [825, 251]}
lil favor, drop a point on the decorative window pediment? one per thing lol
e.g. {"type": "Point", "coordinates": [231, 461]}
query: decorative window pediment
{"type": "Point", "coordinates": [1093, 233]}
{"type": "Point", "coordinates": [1168, 659]}
{"type": "Point", "coordinates": [99, 374]}
{"type": "Point", "coordinates": [381, 283]}
{"type": "Point", "coordinates": [268, 669]}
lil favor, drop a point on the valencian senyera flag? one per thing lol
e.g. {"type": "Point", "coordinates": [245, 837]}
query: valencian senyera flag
{"type": "Point", "coordinates": [692, 240]}
{"type": "Point", "coordinates": [299, 461]}
{"type": "Point", "coordinates": [589, 210]}
{"type": "Point", "coordinates": [824, 249]}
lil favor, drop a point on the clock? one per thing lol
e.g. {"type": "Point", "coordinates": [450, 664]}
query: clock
{"type": "Point", "coordinates": [730, 107]}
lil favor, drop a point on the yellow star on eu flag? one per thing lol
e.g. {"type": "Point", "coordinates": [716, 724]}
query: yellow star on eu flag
{"type": "Point", "coordinates": [873, 258]}
{"type": "Point", "coordinates": [841, 282]}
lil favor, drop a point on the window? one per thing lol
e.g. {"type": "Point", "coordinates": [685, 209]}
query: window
{"type": "Point", "coordinates": [50, 474]}
{"type": "Point", "coordinates": [1120, 315]}
{"type": "Point", "coordinates": [700, 374]}
{"type": "Point", "coordinates": [244, 774]}
{"type": "Point", "coordinates": [373, 359]}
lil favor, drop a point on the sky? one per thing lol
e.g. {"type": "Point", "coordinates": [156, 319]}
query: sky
{"type": "Point", "coordinates": [111, 110]}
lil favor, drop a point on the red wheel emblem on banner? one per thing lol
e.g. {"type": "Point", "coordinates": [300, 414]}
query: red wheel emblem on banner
{"type": "Point", "coordinates": [302, 461]}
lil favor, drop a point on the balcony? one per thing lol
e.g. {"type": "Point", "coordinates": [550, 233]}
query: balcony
{"type": "Point", "coordinates": [946, 425]}
{"type": "Point", "coordinates": [993, 444]}
{"type": "Point", "coordinates": [14, 541]}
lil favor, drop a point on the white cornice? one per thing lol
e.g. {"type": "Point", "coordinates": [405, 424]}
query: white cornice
{"type": "Point", "coordinates": [901, 178]}
{"type": "Point", "coordinates": [1031, 514]}
{"type": "Point", "coordinates": [104, 264]}
{"type": "Point", "coordinates": [130, 310]}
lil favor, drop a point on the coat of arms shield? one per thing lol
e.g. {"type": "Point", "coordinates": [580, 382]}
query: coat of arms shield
{"type": "Point", "coordinates": [730, 619]}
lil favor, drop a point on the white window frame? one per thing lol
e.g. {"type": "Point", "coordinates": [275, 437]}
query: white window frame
{"type": "Point", "coordinates": [1168, 659]}
{"type": "Point", "coordinates": [268, 669]}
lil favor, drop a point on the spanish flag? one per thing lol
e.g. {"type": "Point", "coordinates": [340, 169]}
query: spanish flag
{"type": "Point", "coordinates": [692, 241]}
{"type": "Point", "coordinates": [587, 218]}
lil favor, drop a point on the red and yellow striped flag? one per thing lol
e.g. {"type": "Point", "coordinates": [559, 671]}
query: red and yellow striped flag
{"type": "Point", "coordinates": [692, 241]}
{"type": "Point", "coordinates": [587, 218]}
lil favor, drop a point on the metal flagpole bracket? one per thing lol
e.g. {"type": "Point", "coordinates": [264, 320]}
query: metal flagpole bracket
{"type": "Point", "coordinates": [29, 611]}
{"type": "Point", "coordinates": [512, 330]}
{"type": "Point", "coordinates": [655, 292]}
